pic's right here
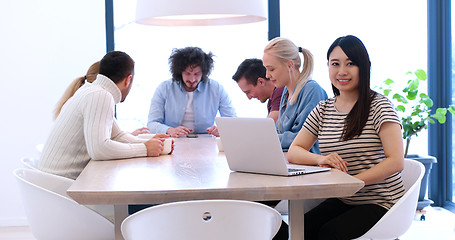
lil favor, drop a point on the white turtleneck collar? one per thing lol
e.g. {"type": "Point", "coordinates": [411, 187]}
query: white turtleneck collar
{"type": "Point", "coordinates": [110, 86]}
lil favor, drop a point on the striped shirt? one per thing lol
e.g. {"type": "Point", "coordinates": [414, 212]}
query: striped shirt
{"type": "Point", "coordinates": [362, 152]}
{"type": "Point", "coordinates": [86, 130]}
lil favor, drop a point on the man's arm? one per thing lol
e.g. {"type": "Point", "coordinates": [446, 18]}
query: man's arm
{"type": "Point", "coordinates": [156, 113]}
{"type": "Point", "coordinates": [98, 131]}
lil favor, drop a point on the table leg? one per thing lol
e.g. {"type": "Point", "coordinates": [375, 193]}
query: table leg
{"type": "Point", "coordinates": [296, 212]}
{"type": "Point", "coordinates": [120, 213]}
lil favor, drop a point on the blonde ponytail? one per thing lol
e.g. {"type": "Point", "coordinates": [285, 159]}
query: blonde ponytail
{"type": "Point", "coordinates": [305, 74]}
{"type": "Point", "coordinates": [92, 72]}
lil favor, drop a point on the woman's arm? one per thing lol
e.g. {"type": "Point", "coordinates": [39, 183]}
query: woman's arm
{"type": "Point", "coordinates": [299, 150]}
{"type": "Point", "coordinates": [390, 135]}
{"type": "Point", "coordinates": [299, 153]}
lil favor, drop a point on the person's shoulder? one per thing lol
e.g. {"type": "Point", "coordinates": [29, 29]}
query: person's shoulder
{"type": "Point", "coordinates": [381, 103]}
{"type": "Point", "coordinates": [279, 89]}
{"type": "Point", "coordinates": [212, 84]}
{"type": "Point", "coordinates": [313, 85]}
{"type": "Point", "coordinates": [312, 88]}
{"type": "Point", "coordinates": [166, 84]}
{"type": "Point", "coordinates": [91, 93]}
{"type": "Point", "coordinates": [380, 99]}
{"type": "Point", "coordinates": [327, 102]}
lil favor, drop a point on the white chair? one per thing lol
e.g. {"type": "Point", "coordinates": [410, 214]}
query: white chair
{"type": "Point", "coordinates": [29, 163]}
{"type": "Point", "coordinates": [204, 219]}
{"type": "Point", "coordinates": [39, 147]}
{"type": "Point", "coordinates": [399, 218]}
{"type": "Point", "coordinates": [53, 215]}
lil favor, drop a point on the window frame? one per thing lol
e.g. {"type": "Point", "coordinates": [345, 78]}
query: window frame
{"type": "Point", "coordinates": [439, 89]}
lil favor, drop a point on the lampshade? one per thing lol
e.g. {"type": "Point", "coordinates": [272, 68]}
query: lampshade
{"type": "Point", "coordinates": [200, 12]}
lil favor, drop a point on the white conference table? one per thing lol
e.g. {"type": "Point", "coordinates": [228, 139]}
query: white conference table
{"type": "Point", "coordinates": [197, 170]}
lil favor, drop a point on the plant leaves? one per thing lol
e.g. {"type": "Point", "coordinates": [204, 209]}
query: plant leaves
{"type": "Point", "coordinates": [401, 108]}
{"type": "Point", "coordinates": [412, 95]}
{"type": "Point", "coordinates": [414, 85]}
{"type": "Point", "coordinates": [388, 81]}
{"type": "Point", "coordinates": [427, 101]}
{"type": "Point", "coordinates": [420, 74]}
{"type": "Point", "coordinates": [440, 115]}
{"type": "Point", "coordinates": [387, 91]}
{"type": "Point", "coordinates": [399, 98]}
{"type": "Point", "coordinates": [452, 109]}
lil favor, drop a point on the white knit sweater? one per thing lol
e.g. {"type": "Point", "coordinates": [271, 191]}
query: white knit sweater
{"type": "Point", "coordinates": [87, 130]}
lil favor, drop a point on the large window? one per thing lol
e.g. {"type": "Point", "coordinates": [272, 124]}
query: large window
{"type": "Point", "coordinates": [151, 46]}
{"type": "Point", "coordinates": [394, 33]}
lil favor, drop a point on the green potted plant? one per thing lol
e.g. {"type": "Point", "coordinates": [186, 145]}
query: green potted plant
{"type": "Point", "coordinates": [414, 108]}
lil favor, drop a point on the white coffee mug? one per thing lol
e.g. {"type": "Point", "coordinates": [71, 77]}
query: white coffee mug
{"type": "Point", "coordinates": [167, 148]}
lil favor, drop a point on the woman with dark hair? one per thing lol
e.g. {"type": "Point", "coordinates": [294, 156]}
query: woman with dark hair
{"type": "Point", "coordinates": [189, 102]}
{"type": "Point", "coordinates": [359, 133]}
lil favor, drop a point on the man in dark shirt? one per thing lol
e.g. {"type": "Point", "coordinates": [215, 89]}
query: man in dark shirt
{"type": "Point", "coordinates": [250, 77]}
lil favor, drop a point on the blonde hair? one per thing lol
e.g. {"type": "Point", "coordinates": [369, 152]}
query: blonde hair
{"type": "Point", "coordinates": [92, 72]}
{"type": "Point", "coordinates": [285, 50]}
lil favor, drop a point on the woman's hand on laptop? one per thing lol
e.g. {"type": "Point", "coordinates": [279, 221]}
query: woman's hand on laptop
{"type": "Point", "coordinates": [335, 161]}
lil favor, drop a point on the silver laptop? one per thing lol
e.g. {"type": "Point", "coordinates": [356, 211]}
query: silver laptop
{"type": "Point", "coordinates": [252, 145]}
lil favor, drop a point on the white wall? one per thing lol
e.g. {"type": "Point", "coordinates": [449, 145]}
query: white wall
{"type": "Point", "coordinates": [44, 45]}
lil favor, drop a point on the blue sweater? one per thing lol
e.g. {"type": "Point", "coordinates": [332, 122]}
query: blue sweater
{"type": "Point", "coordinates": [292, 117]}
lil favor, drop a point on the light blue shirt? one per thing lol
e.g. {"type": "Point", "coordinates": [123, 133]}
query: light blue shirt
{"type": "Point", "coordinates": [291, 117]}
{"type": "Point", "coordinates": [170, 99]}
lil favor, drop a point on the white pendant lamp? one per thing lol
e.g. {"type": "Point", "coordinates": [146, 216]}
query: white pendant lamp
{"type": "Point", "coordinates": [200, 12]}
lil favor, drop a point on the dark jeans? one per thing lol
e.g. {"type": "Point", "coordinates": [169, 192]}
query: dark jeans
{"type": "Point", "coordinates": [136, 208]}
{"type": "Point", "coordinates": [333, 219]}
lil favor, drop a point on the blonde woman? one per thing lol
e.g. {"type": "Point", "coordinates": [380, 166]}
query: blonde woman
{"type": "Point", "coordinates": [92, 72]}
{"type": "Point", "coordinates": [282, 59]}
{"type": "Point", "coordinates": [77, 83]}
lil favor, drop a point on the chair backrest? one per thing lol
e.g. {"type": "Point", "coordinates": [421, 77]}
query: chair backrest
{"type": "Point", "coordinates": [204, 219]}
{"type": "Point", "coordinates": [29, 163]}
{"type": "Point", "coordinates": [52, 214]}
{"type": "Point", "coordinates": [399, 218]}
{"type": "Point", "coordinates": [39, 148]}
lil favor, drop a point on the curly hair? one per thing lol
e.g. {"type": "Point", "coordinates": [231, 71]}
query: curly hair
{"type": "Point", "coordinates": [182, 58]}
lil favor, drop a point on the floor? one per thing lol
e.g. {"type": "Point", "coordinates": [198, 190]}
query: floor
{"type": "Point", "coordinates": [439, 224]}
